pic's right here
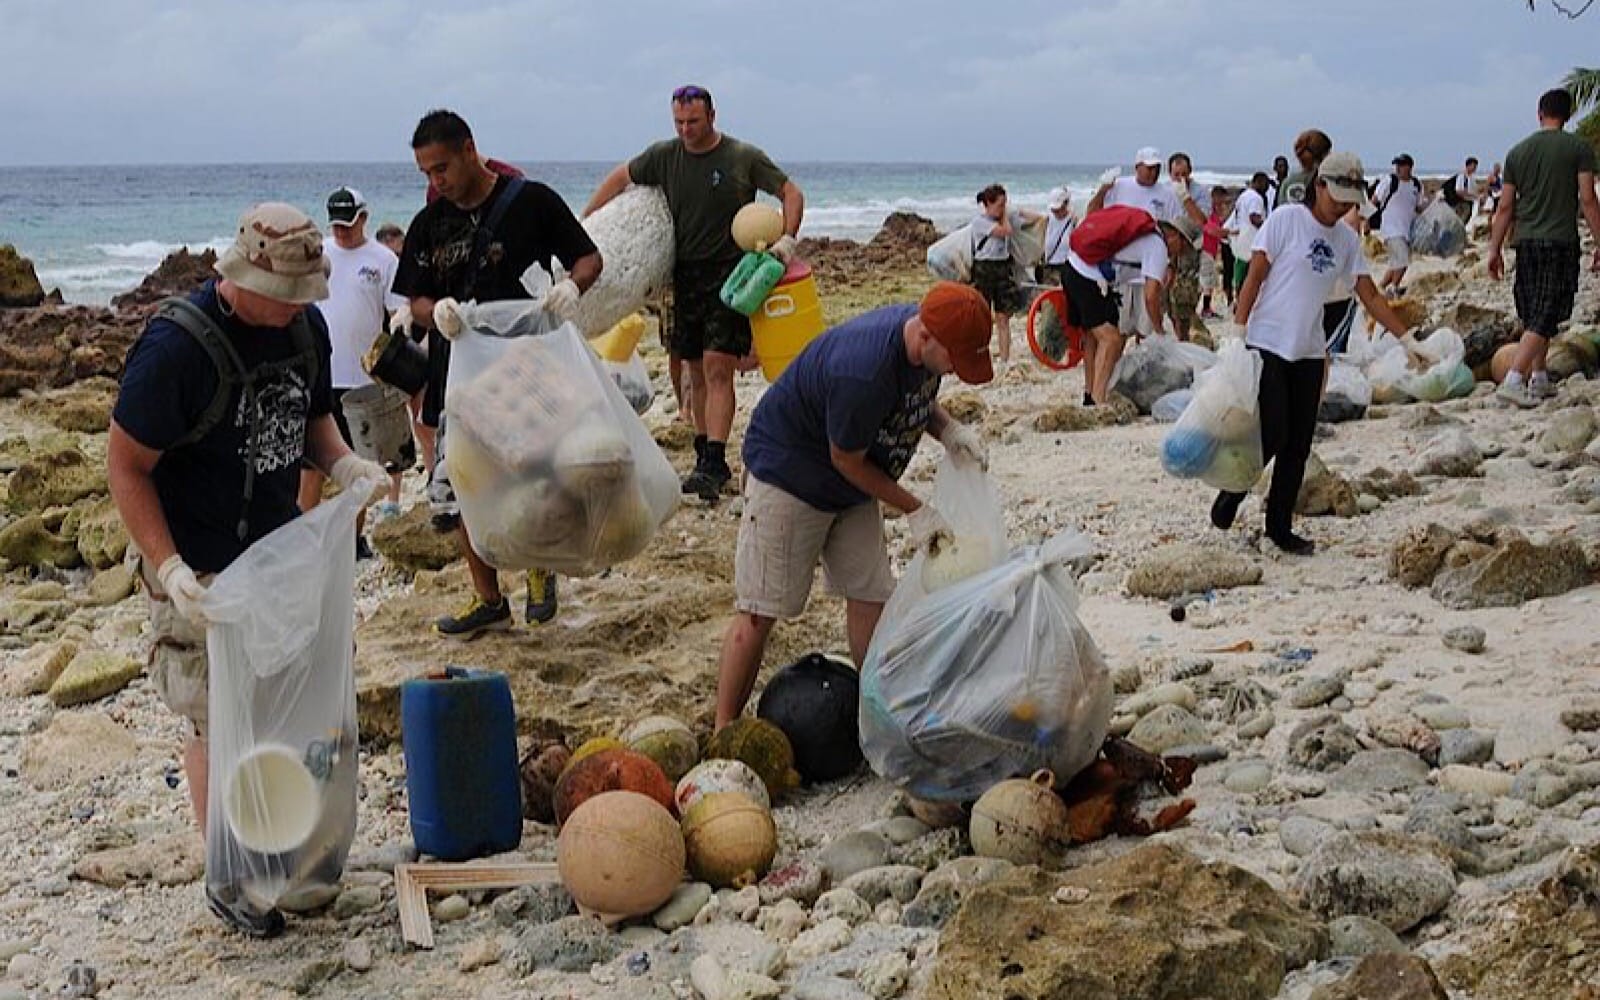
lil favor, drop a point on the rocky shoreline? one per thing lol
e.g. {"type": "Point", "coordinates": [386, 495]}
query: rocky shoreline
{"type": "Point", "coordinates": [1398, 740]}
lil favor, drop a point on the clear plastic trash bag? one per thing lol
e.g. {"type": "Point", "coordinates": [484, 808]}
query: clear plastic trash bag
{"type": "Point", "coordinates": [1218, 437]}
{"type": "Point", "coordinates": [1156, 366]}
{"type": "Point", "coordinates": [633, 378]}
{"type": "Point", "coordinates": [282, 709]}
{"type": "Point", "coordinates": [1347, 394]}
{"type": "Point", "coordinates": [551, 466]}
{"type": "Point", "coordinates": [1438, 231]}
{"type": "Point", "coordinates": [1442, 377]}
{"type": "Point", "coordinates": [991, 677]}
{"type": "Point", "coordinates": [1170, 407]}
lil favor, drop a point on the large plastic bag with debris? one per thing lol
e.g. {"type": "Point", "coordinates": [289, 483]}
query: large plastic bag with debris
{"type": "Point", "coordinates": [1438, 231]}
{"type": "Point", "coordinates": [987, 678]}
{"type": "Point", "coordinates": [634, 235]}
{"type": "Point", "coordinates": [975, 541]}
{"type": "Point", "coordinates": [633, 378]}
{"type": "Point", "coordinates": [950, 256]}
{"type": "Point", "coordinates": [551, 466]}
{"type": "Point", "coordinates": [1156, 366]}
{"type": "Point", "coordinates": [1218, 438]}
{"type": "Point", "coordinates": [1170, 407]}
{"type": "Point", "coordinates": [1443, 375]}
{"type": "Point", "coordinates": [1385, 363]}
{"type": "Point", "coordinates": [1346, 395]}
{"type": "Point", "coordinates": [281, 813]}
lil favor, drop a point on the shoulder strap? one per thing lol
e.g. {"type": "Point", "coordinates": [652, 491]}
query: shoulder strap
{"type": "Point", "coordinates": [230, 369]}
{"type": "Point", "coordinates": [1394, 187]}
{"type": "Point", "coordinates": [486, 230]}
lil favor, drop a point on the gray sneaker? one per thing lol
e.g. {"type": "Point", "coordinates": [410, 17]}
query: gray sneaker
{"type": "Point", "coordinates": [1541, 388]}
{"type": "Point", "coordinates": [1517, 395]}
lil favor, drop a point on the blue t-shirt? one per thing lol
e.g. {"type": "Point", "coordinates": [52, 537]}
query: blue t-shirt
{"type": "Point", "coordinates": [167, 384]}
{"type": "Point", "coordinates": [854, 387]}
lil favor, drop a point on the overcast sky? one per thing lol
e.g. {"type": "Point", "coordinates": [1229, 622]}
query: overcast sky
{"type": "Point", "coordinates": [149, 81]}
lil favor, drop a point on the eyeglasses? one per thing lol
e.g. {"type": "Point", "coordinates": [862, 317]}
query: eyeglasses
{"type": "Point", "coordinates": [691, 92]}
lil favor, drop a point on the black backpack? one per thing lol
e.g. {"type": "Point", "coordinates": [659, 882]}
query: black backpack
{"type": "Point", "coordinates": [232, 374]}
{"type": "Point", "coordinates": [1376, 221]}
{"type": "Point", "coordinates": [1451, 196]}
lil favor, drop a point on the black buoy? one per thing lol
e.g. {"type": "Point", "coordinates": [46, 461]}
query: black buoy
{"type": "Point", "coordinates": [814, 701]}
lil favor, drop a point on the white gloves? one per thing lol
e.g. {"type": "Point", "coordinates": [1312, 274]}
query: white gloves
{"type": "Point", "coordinates": [1110, 176]}
{"type": "Point", "coordinates": [964, 445]}
{"type": "Point", "coordinates": [1181, 189]}
{"type": "Point", "coordinates": [400, 322]}
{"type": "Point", "coordinates": [447, 318]}
{"type": "Point", "coordinates": [351, 470]}
{"type": "Point", "coordinates": [183, 590]}
{"type": "Point", "coordinates": [562, 300]}
{"type": "Point", "coordinates": [925, 522]}
{"type": "Point", "coordinates": [784, 248]}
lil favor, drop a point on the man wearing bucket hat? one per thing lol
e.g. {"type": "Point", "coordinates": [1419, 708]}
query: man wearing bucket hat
{"type": "Point", "coordinates": [222, 396]}
{"type": "Point", "coordinates": [360, 275]}
{"type": "Point", "coordinates": [824, 451]}
{"type": "Point", "coordinates": [1301, 255]}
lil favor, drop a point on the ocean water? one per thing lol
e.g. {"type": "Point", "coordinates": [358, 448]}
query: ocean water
{"type": "Point", "coordinates": [95, 232]}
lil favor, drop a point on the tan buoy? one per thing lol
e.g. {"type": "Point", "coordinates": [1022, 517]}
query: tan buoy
{"type": "Point", "coordinates": [666, 741]}
{"type": "Point", "coordinates": [720, 775]}
{"type": "Point", "coordinates": [1501, 362]}
{"type": "Point", "coordinates": [757, 227]}
{"type": "Point", "coordinates": [730, 840]}
{"type": "Point", "coordinates": [1021, 820]}
{"type": "Point", "coordinates": [620, 854]}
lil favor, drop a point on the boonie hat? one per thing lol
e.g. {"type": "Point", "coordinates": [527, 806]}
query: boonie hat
{"type": "Point", "coordinates": [1404, 160]}
{"type": "Point", "coordinates": [1059, 197]}
{"type": "Point", "coordinates": [959, 319]}
{"type": "Point", "coordinates": [1345, 177]}
{"type": "Point", "coordinates": [345, 206]}
{"type": "Point", "coordinates": [1185, 227]}
{"type": "Point", "coordinates": [1149, 156]}
{"type": "Point", "coordinates": [277, 253]}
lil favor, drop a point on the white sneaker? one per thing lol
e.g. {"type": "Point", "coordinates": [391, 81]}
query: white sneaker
{"type": "Point", "coordinates": [1517, 395]}
{"type": "Point", "coordinates": [1541, 388]}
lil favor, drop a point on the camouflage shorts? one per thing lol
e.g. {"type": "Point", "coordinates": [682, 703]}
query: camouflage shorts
{"type": "Point", "coordinates": [1183, 292]}
{"type": "Point", "coordinates": [178, 666]}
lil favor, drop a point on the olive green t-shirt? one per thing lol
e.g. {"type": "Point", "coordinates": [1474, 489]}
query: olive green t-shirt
{"type": "Point", "coordinates": [1545, 167]}
{"type": "Point", "coordinates": [705, 190]}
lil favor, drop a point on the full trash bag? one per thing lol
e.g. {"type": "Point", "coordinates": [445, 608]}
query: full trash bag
{"type": "Point", "coordinates": [988, 678]}
{"type": "Point", "coordinates": [950, 256]}
{"type": "Point", "coordinates": [282, 709]}
{"type": "Point", "coordinates": [633, 379]}
{"type": "Point", "coordinates": [1156, 366]}
{"type": "Point", "coordinates": [975, 541]}
{"type": "Point", "coordinates": [1438, 231]}
{"type": "Point", "coordinates": [1170, 407]}
{"type": "Point", "coordinates": [1218, 438]}
{"type": "Point", "coordinates": [1442, 377]}
{"type": "Point", "coordinates": [551, 466]}
{"type": "Point", "coordinates": [1347, 394]}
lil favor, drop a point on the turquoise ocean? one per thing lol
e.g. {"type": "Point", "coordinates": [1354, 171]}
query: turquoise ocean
{"type": "Point", "coordinates": [96, 231]}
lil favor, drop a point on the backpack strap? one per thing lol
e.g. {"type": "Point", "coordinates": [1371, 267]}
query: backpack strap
{"type": "Point", "coordinates": [486, 230]}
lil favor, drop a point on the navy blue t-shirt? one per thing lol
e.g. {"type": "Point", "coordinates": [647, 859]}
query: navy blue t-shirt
{"type": "Point", "coordinates": [167, 384]}
{"type": "Point", "coordinates": [854, 387]}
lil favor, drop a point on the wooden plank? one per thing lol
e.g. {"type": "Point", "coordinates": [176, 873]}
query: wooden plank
{"type": "Point", "coordinates": [412, 882]}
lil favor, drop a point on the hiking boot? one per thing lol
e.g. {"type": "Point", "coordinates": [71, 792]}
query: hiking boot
{"type": "Point", "coordinates": [1292, 544]}
{"type": "Point", "coordinates": [707, 483]}
{"type": "Point", "coordinates": [363, 548]}
{"type": "Point", "coordinates": [476, 618]}
{"type": "Point", "coordinates": [233, 909]}
{"type": "Point", "coordinates": [1517, 395]}
{"type": "Point", "coordinates": [541, 606]}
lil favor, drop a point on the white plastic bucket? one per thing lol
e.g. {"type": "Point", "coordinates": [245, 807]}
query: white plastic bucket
{"type": "Point", "coordinates": [380, 425]}
{"type": "Point", "coordinates": [272, 801]}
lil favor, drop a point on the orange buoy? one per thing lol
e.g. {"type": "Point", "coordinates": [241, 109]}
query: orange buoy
{"type": "Point", "coordinates": [608, 771]}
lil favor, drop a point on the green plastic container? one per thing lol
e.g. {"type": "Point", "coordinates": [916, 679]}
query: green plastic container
{"type": "Point", "coordinates": [751, 282]}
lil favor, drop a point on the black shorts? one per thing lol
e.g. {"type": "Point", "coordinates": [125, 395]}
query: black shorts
{"type": "Point", "coordinates": [1546, 284]}
{"type": "Point", "coordinates": [1088, 306]}
{"type": "Point", "coordinates": [996, 281]}
{"type": "Point", "coordinates": [700, 321]}
{"type": "Point", "coordinates": [1337, 318]}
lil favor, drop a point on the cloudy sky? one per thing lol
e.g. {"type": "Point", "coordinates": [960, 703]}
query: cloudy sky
{"type": "Point", "coordinates": [154, 81]}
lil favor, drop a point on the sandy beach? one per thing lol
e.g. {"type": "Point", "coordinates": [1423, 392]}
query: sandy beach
{"type": "Point", "coordinates": [1341, 716]}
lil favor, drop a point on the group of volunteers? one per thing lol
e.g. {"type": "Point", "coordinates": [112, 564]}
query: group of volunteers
{"type": "Point", "coordinates": [228, 415]}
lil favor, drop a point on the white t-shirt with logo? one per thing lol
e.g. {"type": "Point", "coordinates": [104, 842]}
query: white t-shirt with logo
{"type": "Point", "coordinates": [1402, 208]}
{"type": "Point", "coordinates": [1057, 234]}
{"type": "Point", "coordinates": [1158, 199]}
{"type": "Point", "coordinates": [1143, 259]}
{"type": "Point", "coordinates": [1308, 260]}
{"type": "Point", "coordinates": [357, 306]}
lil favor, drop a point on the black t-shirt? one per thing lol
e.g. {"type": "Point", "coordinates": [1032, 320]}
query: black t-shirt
{"type": "Point", "coordinates": [167, 384]}
{"type": "Point", "coordinates": [436, 263]}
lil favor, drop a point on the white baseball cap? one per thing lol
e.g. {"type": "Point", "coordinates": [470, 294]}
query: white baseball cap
{"type": "Point", "coordinates": [1149, 156]}
{"type": "Point", "coordinates": [1060, 198]}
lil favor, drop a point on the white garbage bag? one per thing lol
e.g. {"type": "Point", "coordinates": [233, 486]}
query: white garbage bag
{"type": "Point", "coordinates": [1438, 231]}
{"type": "Point", "coordinates": [1218, 438]}
{"type": "Point", "coordinates": [1158, 365]}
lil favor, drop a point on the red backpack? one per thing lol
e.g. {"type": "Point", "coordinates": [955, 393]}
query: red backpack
{"type": "Point", "coordinates": [1101, 234]}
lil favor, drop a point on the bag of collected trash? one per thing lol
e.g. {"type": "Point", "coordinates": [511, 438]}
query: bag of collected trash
{"type": "Point", "coordinates": [1218, 438]}
{"type": "Point", "coordinates": [950, 257]}
{"type": "Point", "coordinates": [1442, 377]}
{"type": "Point", "coordinates": [1156, 366]}
{"type": "Point", "coordinates": [282, 709]}
{"type": "Point", "coordinates": [966, 497]}
{"type": "Point", "coordinates": [1347, 395]}
{"type": "Point", "coordinates": [1438, 231]}
{"type": "Point", "coordinates": [633, 378]}
{"type": "Point", "coordinates": [1170, 407]}
{"type": "Point", "coordinates": [551, 466]}
{"type": "Point", "coordinates": [988, 678]}
{"type": "Point", "coordinates": [1385, 363]}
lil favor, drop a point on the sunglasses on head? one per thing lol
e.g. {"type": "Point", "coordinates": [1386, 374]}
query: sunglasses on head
{"type": "Point", "coordinates": [691, 92]}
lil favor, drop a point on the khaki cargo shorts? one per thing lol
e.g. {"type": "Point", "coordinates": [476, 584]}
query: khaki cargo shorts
{"type": "Point", "coordinates": [178, 666]}
{"type": "Point", "coordinates": [781, 540]}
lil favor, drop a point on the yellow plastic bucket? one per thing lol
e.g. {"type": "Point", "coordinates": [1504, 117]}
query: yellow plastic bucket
{"type": "Point", "coordinates": [789, 319]}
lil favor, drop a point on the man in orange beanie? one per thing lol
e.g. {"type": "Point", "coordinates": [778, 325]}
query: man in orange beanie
{"type": "Point", "coordinates": [825, 449]}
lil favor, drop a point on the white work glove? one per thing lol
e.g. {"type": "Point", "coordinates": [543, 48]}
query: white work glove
{"type": "Point", "coordinates": [400, 322]}
{"type": "Point", "coordinates": [350, 471]}
{"type": "Point", "coordinates": [183, 590]}
{"type": "Point", "coordinates": [785, 247]}
{"type": "Point", "coordinates": [1181, 189]}
{"type": "Point", "coordinates": [447, 318]}
{"type": "Point", "coordinates": [1110, 176]}
{"type": "Point", "coordinates": [562, 300]}
{"type": "Point", "coordinates": [963, 444]}
{"type": "Point", "coordinates": [924, 523]}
